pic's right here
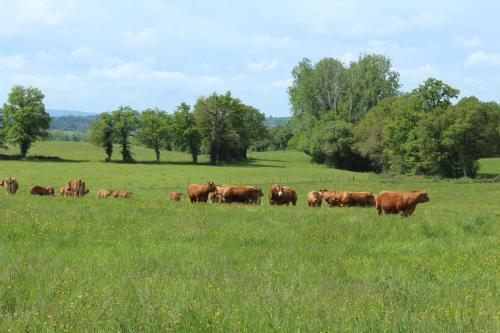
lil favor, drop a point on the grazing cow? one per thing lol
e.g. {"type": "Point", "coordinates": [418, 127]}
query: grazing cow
{"type": "Point", "coordinates": [122, 194]}
{"type": "Point", "coordinates": [65, 191]}
{"type": "Point", "coordinates": [349, 199]}
{"type": "Point", "coordinates": [104, 193]}
{"type": "Point", "coordinates": [77, 187]}
{"type": "Point", "coordinates": [199, 193]}
{"type": "Point", "coordinates": [240, 194]}
{"type": "Point", "coordinates": [39, 190]}
{"type": "Point", "coordinates": [175, 196]}
{"type": "Point", "coordinates": [10, 185]}
{"type": "Point", "coordinates": [213, 197]}
{"type": "Point", "coordinates": [279, 195]}
{"type": "Point", "coordinates": [314, 199]}
{"type": "Point", "coordinates": [400, 202]}
{"type": "Point", "coordinates": [329, 198]}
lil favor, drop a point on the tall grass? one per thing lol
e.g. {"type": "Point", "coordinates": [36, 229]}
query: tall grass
{"type": "Point", "coordinates": [147, 264]}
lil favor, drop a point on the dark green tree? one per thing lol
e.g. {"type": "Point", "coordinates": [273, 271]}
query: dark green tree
{"type": "Point", "coordinates": [154, 130]}
{"type": "Point", "coordinates": [24, 119]}
{"type": "Point", "coordinates": [125, 123]}
{"type": "Point", "coordinates": [192, 141]}
{"type": "Point", "coordinates": [101, 133]}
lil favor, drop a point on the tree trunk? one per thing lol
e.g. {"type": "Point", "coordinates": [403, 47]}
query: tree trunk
{"type": "Point", "coordinates": [157, 152]}
{"type": "Point", "coordinates": [195, 158]}
{"type": "Point", "coordinates": [24, 148]}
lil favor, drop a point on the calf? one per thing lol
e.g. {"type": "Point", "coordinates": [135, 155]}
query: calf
{"type": "Point", "coordinates": [329, 197]}
{"type": "Point", "coordinates": [175, 196]}
{"type": "Point", "coordinates": [400, 202]}
{"type": "Point", "coordinates": [39, 190]}
{"type": "Point", "coordinates": [10, 185]}
{"type": "Point", "coordinates": [122, 194]}
{"type": "Point", "coordinates": [199, 193]}
{"type": "Point", "coordinates": [314, 199]}
{"type": "Point", "coordinates": [104, 193]}
{"type": "Point", "coordinates": [279, 195]}
{"type": "Point", "coordinates": [77, 187]}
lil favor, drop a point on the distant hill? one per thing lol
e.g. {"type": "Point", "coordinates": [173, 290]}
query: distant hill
{"type": "Point", "coordinates": [276, 121]}
{"type": "Point", "coordinates": [62, 113]}
{"type": "Point", "coordinates": [72, 123]}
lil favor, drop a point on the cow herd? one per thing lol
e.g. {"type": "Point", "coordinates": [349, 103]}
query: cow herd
{"type": "Point", "coordinates": [387, 202]}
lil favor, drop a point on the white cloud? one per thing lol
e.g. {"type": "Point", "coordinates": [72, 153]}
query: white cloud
{"type": "Point", "coordinates": [481, 58]}
{"type": "Point", "coordinates": [263, 65]}
{"type": "Point", "coordinates": [270, 41]}
{"type": "Point", "coordinates": [473, 41]}
{"type": "Point", "coordinates": [142, 37]}
{"type": "Point", "coordinates": [15, 61]}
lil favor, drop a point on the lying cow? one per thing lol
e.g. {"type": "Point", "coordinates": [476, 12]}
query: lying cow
{"type": "Point", "coordinates": [104, 193]}
{"type": "Point", "coordinates": [10, 185]}
{"type": "Point", "coordinates": [175, 196]}
{"type": "Point", "coordinates": [240, 194]}
{"type": "Point", "coordinates": [400, 202]}
{"type": "Point", "coordinates": [349, 199]}
{"type": "Point", "coordinates": [122, 194]}
{"type": "Point", "coordinates": [199, 193]}
{"type": "Point", "coordinates": [279, 195]}
{"type": "Point", "coordinates": [40, 190]}
{"type": "Point", "coordinates": [77, 187]}
{"type": "Point", "coordinates": [314, 199]}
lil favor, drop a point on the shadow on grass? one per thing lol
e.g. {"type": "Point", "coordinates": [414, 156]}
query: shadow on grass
{"type": "Point", "coordinates": [38, 158]}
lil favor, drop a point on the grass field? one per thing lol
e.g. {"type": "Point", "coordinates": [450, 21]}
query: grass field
{"type": "Point", "coordinates": [147, 264]}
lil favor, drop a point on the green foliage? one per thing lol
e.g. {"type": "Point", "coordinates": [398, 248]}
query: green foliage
{"type": "Point", "coordinates": [154, 130]}
{"type": "Point", "coordinates": [192, 140]}
{"type": "Point", "coordinates": [434, 94]}
{"type": "Point", "coordinates": [182, 120]}
{"type": "Point", "coordinates": [73, 123]}
{"type": "Point", "coordinates": [125, 123]}
{"type": "Point", "coordinates": [24, 119]}
{"type": "Point", "coordinates": [60, 135]}
{"type": "Point", "coordinates": [227, 126]}
{"type": "Point", "coordinates": [101, 133]}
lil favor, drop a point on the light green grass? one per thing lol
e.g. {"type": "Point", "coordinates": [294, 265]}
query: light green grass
{"type": "Point", "coordinates": [147, 264]}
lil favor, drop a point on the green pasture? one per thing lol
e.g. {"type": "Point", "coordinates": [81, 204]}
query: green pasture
{"type": "Point", "coordinates": [147, 264]}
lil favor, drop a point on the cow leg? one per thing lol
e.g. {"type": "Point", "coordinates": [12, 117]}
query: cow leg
{"type": "Point", "coordinates": [379, 210]}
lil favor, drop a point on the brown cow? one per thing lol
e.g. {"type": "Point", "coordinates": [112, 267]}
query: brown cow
{"type": "Point", "coordinates": [122, 194]}
{"type": "Point", "coordinates": [40, 190]}
{"type": "Point", "coordinates": [329, 197]}
{"type": "Point", "coordinates": [400, 202]}
{"type": "Point", "coordinates": [213, 197]}
{"type": "Point", "coordinates": [104, 193]}
{"type": "Point", "coordinates": [10, 185]}
{"type": "Point", "coordinates": [279, 195]}
{"type": "Point", "coordinates": [240, 194]}
{"type": "Point", "coordinates": [65, 191]}
{"type": "Point", "coordinates": [314, 199]}
{"type": "Point", "coordinates": [77, 187]}
{"type": "Point", "coordinates": [349, 199]}
{"type": "Point", "coordinates": [199, 193]}
{"type": "Point", "coordinates": [175, 196]}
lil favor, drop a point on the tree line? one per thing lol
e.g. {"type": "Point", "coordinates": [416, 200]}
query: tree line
{"type": "Point", "coordinates": [219, 125]}
{"type": "Point", "coordinates": [355, 117]}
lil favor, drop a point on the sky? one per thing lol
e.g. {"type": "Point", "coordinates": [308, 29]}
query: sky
{"type": "Point", "coordinates": [94, 56]}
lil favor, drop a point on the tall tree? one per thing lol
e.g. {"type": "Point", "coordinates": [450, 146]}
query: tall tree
{"type": "Point", "coordinates": [101, 133]}
{"type": "Point", "coordinates": [192, 142]}
{"type": "Point", "coordinates": [154, 130]}
{"type": "Point", "coordinates": [24, 117]}
{"type": "Point", "coordinates": [125, 123]}
{"type": "Point", "coordinates": [182, 119]}
{"type": "Point", "coordinates": [434, 94]}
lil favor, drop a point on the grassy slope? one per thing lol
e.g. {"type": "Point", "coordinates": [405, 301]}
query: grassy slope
{"type": "Point", "coordinates": [150, 265]}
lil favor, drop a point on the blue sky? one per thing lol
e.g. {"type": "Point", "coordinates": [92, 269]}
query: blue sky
{"type": "Point", "coordinates": [96, 55]}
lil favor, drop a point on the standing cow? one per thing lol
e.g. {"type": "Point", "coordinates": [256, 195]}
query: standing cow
{"type": "Point", "coordinates": [279, 195]}
{"type": "Point", "coordinates": [314, 199]}
{"type": "Point", "coordinates": [329, 198]}
{"type": "Point", "coordinates": [239, 194]}
{"type": "Point", "coordinates": [10, 185]}
{"type": "Point", "coordinates": [77, 187]}
{"type": "Point", "coordinates": [400, 202]}
{"type": "Point", "coordinates": [199, 193]}
{"type": "Point", "coordinates": [40, 190]}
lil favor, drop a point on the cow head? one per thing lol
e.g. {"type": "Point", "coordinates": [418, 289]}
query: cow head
{"type": "Point", "coordinates": [50, 190]}
{"type": "Point", "coordinates": [423, 196]}
{"type": "Point", "coordinates": [260, 191]}
{"type": "Point", "coordinates": [211, 187]}
{"type": "Point", "coordinates": [277, 189]}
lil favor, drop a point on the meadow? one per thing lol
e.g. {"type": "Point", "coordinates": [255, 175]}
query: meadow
{"type": "Point", "coordinates": [147, 264]}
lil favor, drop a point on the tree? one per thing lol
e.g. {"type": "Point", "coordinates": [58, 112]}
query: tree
{"type": "Point", "coordinates": [24, 117]}
{"type": "Point", "coordinates": [434, 94]}
{"type": "Point", "coordinates": [192, 141]}
{"type": "Point", "coordinates": [154, 130]}
{"type": "Point", "coordinates": [125, 122]}
{"type": "Point", "coordinates": [101, 133]}
{"type": "Point", "coordinates": [182, 119]}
